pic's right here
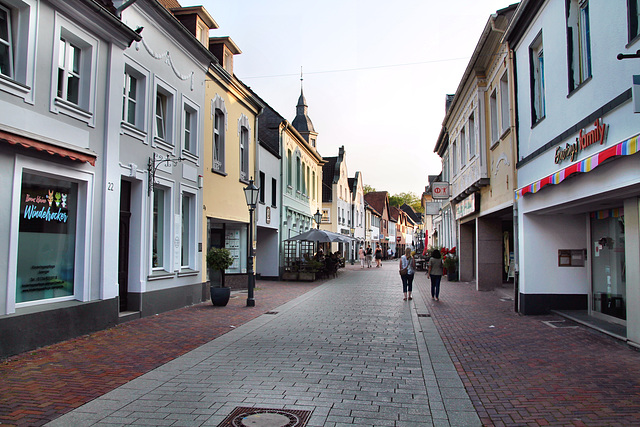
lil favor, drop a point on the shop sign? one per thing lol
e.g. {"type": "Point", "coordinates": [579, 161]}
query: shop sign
{"type": "Point", "coordinates": [466, 207]}
{"type": "Point", "coordinates": [440, 190]}
{"type": "Point", "coordinates": [584, 140]}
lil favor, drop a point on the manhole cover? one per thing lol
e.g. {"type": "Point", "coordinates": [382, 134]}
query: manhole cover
{"type": "Point", "coordinates": [265, 417]}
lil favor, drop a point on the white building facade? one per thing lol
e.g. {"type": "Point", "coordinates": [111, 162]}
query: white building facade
{"type": "Point", "coordinates": [578, 167]}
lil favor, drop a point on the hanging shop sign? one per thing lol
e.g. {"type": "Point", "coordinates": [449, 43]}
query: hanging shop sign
{"type": "Point", "coordinates": [466, 206]}
{"type": "Point", "coordinates": [440, 190]}
{"type": "Point", "coordinates": [584, 140]}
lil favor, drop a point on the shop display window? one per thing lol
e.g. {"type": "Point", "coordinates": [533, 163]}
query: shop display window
{"type": "Point", "coordinates": [46, 239]}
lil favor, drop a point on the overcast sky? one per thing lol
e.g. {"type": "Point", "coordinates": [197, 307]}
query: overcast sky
{"type": "Point", "coordinates": [375, 73]}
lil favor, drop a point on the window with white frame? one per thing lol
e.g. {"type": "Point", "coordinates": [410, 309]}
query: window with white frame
{"type": "Point", "coordinates": [74, 71]}
{"type": "Point", "coordinates": [463, 147]}
{"type": "Point", "coordinates": [578, 42]}
{"type": "Point", "coordinates": [504, 103]}
{"type": "Point", "coordinates": [244, 132]}
{"type": "Point", "coordinates": [244, 154]}
{"type": "Point", "coordinates": [298, 183]}
{"type": "Point", "coordinates": [190, 133]}
{"type": "Point", "coordinates": [218, 140]}
{"type": "Point", "coordinates": [472, 136]}
{"type": "Point", "coordinates": [454, 159]}
{"type": "Point", "coordinates": [6, 42]}
{"type": "Point", "coordinates": [633, 12]}
{"type": "Point", "coordinates": [445, 168]}
{"type": "Point", "coordinates": [304, 180]}
{"type": "Point", "coordinates": [18, 30]}
{"type": "Point", "coordinates": [130, 99]}
{"type": "Point", "coordinates": [188, 249]}
{"type": "Point", "coordinates": [308, 182]}
{"type": "Point", "coordinates": [493, 113]}
{"type": "Point", "coordinates": [536, 66]}
{"type": "Point", "coordinates": [289, 169]}
{"type": "Point", "coordinates": [160, 240]}
{"type": "Point", "coordinates": [164, 115]}
{"type": "Point", "coordinates": [313, 183]}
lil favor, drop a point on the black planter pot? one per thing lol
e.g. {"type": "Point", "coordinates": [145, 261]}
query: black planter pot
{"type": "Point", "coordinates": [219, 293]}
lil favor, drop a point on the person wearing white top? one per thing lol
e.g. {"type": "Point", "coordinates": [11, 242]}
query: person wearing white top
{"type": "Point", "coordinates": [407, 270]}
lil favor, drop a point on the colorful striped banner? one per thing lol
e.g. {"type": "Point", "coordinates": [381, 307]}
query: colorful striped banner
{"type": "Point", "coordinates": [624, 148]}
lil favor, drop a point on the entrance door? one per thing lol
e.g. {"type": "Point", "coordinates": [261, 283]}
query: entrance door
{"type": "Point", "coordinates": [608, 263]}
{"type": "Point", "coordinates": [123, 252]}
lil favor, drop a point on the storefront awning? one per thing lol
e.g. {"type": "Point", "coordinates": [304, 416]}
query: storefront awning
{"type": "Point", "coordinates": [624, 148]}
{"type": "Point", "coordinates": [54, 150]}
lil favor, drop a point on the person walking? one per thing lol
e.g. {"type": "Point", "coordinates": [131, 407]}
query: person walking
{"type": "Point", "coordinates": [434, 272]}
{"type": "Point", "coordinates": [361, 256]}
{"type": "Point", "coordinates": [407, 270]}
{"type": "Point", "coordinates": [378, 256]}
{"type": "Point", "coordinates": [369, 255]}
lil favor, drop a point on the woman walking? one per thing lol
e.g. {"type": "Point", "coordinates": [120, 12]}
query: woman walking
{"type": "Point", "coordinates": [434, 272]}
{"type": "Point", "coordinates": [369, 255]}
{"type": "Point", "coordinates": [361, 256]}
{"type": "Point", "coordinates": [378, 256]}
{"type": "Point", "coordinates": [407, 270]}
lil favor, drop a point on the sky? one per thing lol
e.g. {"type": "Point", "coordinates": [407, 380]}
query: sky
{"type": "Point", "coordinates": [375, 73]}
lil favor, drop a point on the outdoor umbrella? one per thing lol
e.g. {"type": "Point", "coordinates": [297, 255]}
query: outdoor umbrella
{"type": "Point", "coordinates": [323, 236]}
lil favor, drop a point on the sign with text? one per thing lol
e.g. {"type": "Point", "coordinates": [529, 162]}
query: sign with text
{"type": "Point", "coordinates": [432, 208]}
{"type": "Point", "coordinates": [466, 207]}
{"type": "Point", "coordinates": [440, 190]}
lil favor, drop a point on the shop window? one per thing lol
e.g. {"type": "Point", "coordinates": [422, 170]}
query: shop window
{"type": "Point", "coordinates": [187, 253]}
{"type": "Point", "coordinates": [46, 239]}
{"type": "Point", "coordinates": [536, 65]}
{"type": "Point", "coordinates": [578, 42]}
{"type": "Point", "coordinates": [160, 219]}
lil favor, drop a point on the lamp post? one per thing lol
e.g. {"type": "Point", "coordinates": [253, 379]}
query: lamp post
{"type": "Point", "coordinates": [317, 217]}
{"type": "Point", "coordinates": [251, 193]}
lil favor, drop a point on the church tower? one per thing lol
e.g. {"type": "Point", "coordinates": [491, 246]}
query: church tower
{"type": "Point", "coordinates": [302, 122]}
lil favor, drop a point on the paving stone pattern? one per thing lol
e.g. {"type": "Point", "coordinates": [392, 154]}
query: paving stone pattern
{"type": "Point", "coordinates": [518, 371]}
{"type": "Point", "coordinates": [351, 351]}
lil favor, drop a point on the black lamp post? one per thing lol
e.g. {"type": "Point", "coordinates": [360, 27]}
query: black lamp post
{"type": "Point", "coordinates": [318, 217]}
{"type": "Point", "coordinates": [251, 193]}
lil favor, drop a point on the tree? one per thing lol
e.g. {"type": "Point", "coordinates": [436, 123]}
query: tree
{"type": "Point", "coordinates": [368, 189]}
{"type": "Point", "coordinates": [410, 199]}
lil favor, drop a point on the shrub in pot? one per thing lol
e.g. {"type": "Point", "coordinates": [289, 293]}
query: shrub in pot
{"type": "Point", "coordinates": [218, 260]}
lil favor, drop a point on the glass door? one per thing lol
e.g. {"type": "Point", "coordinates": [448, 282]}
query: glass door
{"type": "Point", "coordinates": [608, 263]}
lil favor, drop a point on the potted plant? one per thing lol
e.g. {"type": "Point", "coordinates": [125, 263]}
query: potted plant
{"type": "Point", "coordinates": [218, 260]}
{"type": "Point", "coordinates": [450, 262]}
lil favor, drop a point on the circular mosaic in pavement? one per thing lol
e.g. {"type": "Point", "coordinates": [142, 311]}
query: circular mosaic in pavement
{"type": "Point", "coordinates": [265, 417]}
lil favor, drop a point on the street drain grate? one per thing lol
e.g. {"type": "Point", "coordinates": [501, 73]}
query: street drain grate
{"type": "Point", "coordinates": [424, 315]}
{"type": "Point", "coordinates": [559, 324]}
{"type": "Point", "coordinates": [271, 312]}
{"type": "Point", "coordinates": [265, 417]}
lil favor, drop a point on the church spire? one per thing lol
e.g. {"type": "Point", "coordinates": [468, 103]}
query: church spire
{"type": "Point", "coordinates": [302, 123]}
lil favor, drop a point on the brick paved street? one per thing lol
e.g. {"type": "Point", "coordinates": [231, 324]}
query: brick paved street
{"type": "Point", "coordinates": [515, 370]}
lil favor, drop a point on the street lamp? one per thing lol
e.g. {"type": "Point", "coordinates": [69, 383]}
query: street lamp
{"type": "Point", "coordinates": [318, 217]}
{"type": "Point", "coordinates": [251, 193]}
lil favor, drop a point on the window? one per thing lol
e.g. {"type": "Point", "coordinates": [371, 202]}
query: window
{"type": "Point", "coordinates": [463, 147]}
{"type": "Point", "coordinates": [244, 154]}
{"type": "Point", "coordinates": [190, 130]}
{"type": "Point", "coordinates": [536, 65]}
{"type": "Point", "coordinates": [578, 42]}
{"type": "Point", "coordinates": [445, 168]}
{"type": "Point", "coordinates": [244, 131]}
{"type": "Point", "coordinates": [504, 103]}
{"type": "Point", "coordinates": [454, 158]}
{"type": "Point", "coordinates": [6, 45]}
{"type": "Point", "coordinates": [218, 141]}
{"type": "Point", "coordinates": [289, 169]}
{"type": "Point", "coordinates": [493, 112]}
{"type": "Point", "coordinates": [308, 182]}
{"type": "Point", "coordinates": [69, 57]}
{"type": "Point", "coordinates": [298, 183]}
{"type": "Point", "coordinates": [314, 185]}
{"type": "Point", "coordinates": [262, 184]}
{"type": "Point", "coordinates": [164, 115]}
{"type": "Point", "coordinates": [130, 99]}
{"type": "Point", "coordinates": [274, 192]}
{"type": "Point", "coordinates": [304, 180]}
{"type": "Point", "coordinates": [633, 11]}
{"type": "Point", "coordinates": [159, 217]}
{"type": "Point", "coordinates": [472, 136]}
{"type": "Point", "coordinates": [187, 254]}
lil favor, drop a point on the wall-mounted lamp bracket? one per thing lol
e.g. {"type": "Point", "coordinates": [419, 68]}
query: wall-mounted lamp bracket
{"type": "Point", "coordinates": [154, 164]}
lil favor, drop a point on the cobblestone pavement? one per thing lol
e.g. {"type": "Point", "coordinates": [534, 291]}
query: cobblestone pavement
{"type": "Point", "coordinates": [350, 350]}
{"type": "Point", "coordinates": [520, 371]}
{"type": "Point", "coordinates": [39, 386]}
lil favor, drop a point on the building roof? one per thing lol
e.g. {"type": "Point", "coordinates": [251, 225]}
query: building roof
{"type": "Point", "coordinates": [377, 200]}
{"type": "Point", "coordinates": [302, 122]}
{"type": "Point", "coordinates": [415, 216]}
{"type": "Point", "coordinates": [328, 170]}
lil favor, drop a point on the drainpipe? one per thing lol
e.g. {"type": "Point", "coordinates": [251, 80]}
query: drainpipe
{"type": "Point", "coordinates": [123, 6]}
